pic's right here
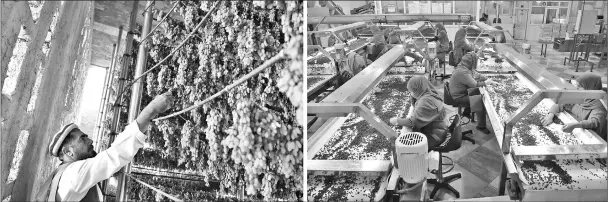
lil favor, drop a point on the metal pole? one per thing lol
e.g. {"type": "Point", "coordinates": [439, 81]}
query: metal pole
{"type": "Point", "coordinates": [126, 60]}
{"type": "Point", "coordinates": [103, 99]}
{"type": "Point", "coordinates": [107, 87]}
{"type": "Point", "coordinates": [106, 92]}
{"type": "Point", "coordinates": [142, 58]}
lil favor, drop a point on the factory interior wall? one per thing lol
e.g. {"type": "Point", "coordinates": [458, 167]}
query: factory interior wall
{"type": "Point", "coordinates": [54, 100]}
{"type": "Point", "coordinates": [347, 6]}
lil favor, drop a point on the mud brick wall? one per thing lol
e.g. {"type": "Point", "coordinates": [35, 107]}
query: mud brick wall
{"type": "Point", "coordinates": [49, 78]}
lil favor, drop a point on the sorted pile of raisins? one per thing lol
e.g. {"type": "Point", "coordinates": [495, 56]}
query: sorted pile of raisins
{"type": "Point", "coordinates": [357, 139]}
{"type": "Point", "coordinates": [508, 97]}
{"type": "Point", "coordinates": [323, 68]}
{"type": "Point", "coordinates": [565, 174]}
{"type": "Point", "coordinates": [347, 186]}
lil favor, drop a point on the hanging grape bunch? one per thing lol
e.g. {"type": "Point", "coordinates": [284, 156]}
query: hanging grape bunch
{"type": "Point", "coordinates": [252, 135]}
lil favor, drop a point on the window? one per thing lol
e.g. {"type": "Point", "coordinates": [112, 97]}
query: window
{"type": "Point", "coordinates": [547, 12]}
{"type": "Point", "coordinates": [506, 7]}
{"type": "Point", "coordinates": [389, 7]}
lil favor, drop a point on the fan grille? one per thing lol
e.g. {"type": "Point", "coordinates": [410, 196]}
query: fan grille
{"type": "Point", "coordinates": [410, 139]}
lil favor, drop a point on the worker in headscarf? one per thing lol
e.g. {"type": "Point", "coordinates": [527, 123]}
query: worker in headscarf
{"type": "Point", "coordinates": [395, 38]}
{"type": "Point", "coordinates": [82, 168]}
{"type": "Point", "coordinates": [355, 62]}
{"type": "Point", "coordinates": [443, 43]}
{"type": "Point", "coordinates": [461, 45]}
{"type": "Point", "coordinates": [429, 112]}
{"type": "Point", "coordinates": [590, 114]}
{"type": "Point", "coordinates": [377, 45]}
{"type": "Point", "coordinates": [499, 37]}
{"type": "Point", "coordinates": [463, 78]}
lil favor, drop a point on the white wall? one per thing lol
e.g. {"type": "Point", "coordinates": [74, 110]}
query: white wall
{"type": "Point", "coordinates": [349, 5]}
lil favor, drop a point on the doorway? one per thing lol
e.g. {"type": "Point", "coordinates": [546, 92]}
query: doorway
{"type": "Point", "coordinates": [521, 23]}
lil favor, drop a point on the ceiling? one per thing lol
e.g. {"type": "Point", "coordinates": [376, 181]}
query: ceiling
{"type": "Point", "coordinates": [109, 16]}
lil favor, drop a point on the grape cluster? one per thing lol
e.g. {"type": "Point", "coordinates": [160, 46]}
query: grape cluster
{"type": "Point", "coordinates": [250, 136]}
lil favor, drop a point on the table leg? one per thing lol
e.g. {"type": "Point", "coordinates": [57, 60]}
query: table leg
{"type": "Point", "coordinates": [503, 180]}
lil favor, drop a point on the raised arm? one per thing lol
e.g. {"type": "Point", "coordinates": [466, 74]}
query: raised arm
{"type": "Point", "coordinates": [159, 104]}
{"type": "Point", "coordinates": [122, 151]}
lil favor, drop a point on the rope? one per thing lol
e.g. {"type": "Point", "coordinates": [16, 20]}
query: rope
{"type": "Point", "coordinates": [153, 188]}
{"type": "Point", "coordinates": [170, 54]}
{"type": "Point", "coordinates": [160, 22]}
{"type": "Point", "coordinates": [266, 64]}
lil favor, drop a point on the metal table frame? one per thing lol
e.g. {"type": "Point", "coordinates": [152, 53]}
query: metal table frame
{"type": "Point", "coordinates": [551, 86]}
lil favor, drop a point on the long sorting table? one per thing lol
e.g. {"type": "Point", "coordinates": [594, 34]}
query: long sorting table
{"type": "Point", "coordinates": [583, 162]}
{"type": "Point", "coordinates": [361, 177]}
{"type": "Point", "coordinates": [520, 161]}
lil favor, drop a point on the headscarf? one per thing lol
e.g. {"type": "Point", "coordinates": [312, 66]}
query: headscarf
{"type": "Point", "coordinates": [354, 63]}
{"type": "Point", "coordinates": [429, 103]}
{"type": "Point", "coordinates": [590, 81]}
{"type": "Point", "coordinates": [394, 37]}
{"type": "Point", "coordinates": [444, 42]}
{"type": "Point", "coordinates": [501, 35]}
{"type": "Point", "coordinates": [460, 37]}
{"type": "Point", "coordinates": [420, 86]}
{"type": "Point", "coordinates": [468, 61]}
{"type": "Point", "coordinates": [378, 35]}
{"type": "Point", "coordinates": [440, 27]}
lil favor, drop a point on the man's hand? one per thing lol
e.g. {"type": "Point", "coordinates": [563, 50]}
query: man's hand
{"type": "Point", "coordinates": [160, 104]}
{"type": "Point", "coordinates": [490, 82]}
{"type": "Point", "coordinates": [393, 120]}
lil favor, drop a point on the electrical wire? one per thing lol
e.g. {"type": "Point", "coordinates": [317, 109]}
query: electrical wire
{"type": "Point", "coordinates": [160, 22]}
{"type": "Point", "coordinates": [170, 54]}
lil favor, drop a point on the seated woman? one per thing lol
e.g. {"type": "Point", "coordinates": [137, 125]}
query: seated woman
{"type": "Point", "coordinates": [355, 62]}
{"type": "Point", "coordinates": [591, 114]}
{"type": "Point", "coordinates": [499, 37]}
{"type": "Point", "coordinates": [377, 45]}
{"type": "Point", "coordinates": [429, 112]}
{"type": "Point", "coordinates": [461, 45]}
{"type": "Point", "coordinates": [463, 79]}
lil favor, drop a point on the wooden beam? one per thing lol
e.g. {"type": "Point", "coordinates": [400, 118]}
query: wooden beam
{"type": "Point", "coordinates": [376, 122]}
{"type": "Point", "coordinates": [573, 96]}
{"type": "Point", "coordinates": [349, 165]}
{"type": "Point", "coordinates": [553, 152]}
{"type": "Point", "coordinates": [110, 30]}
{"type": "Point", "coordinates": [331, 108]}
{"type": "Point", "coordinates": [521, 112]}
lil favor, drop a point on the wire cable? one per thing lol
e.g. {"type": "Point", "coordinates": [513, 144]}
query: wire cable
{"type": "Point", "coordinates": [170, 54]}
{"type": "Point", "coordinates": [160, 22]}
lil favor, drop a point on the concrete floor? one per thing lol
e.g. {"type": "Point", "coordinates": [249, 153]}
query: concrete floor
{"type": "Point", "coordinates": [480, 163]}
{"type": "Point", "coordinates": [554, 62]}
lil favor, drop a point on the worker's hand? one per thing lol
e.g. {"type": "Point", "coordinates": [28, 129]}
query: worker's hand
{"type": "Point", "coordinates": [162, 102]}
{"type": "Point", "coordinates": [393, 121]}
{"type": "Point", "coordinates": [490, 82]}
{"type": "Point", "coordinates": [548, 119]}
{"type": "Point", "coordinates": [513, 187]}
{"type": "Point", "coordinates": [569, 127]}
